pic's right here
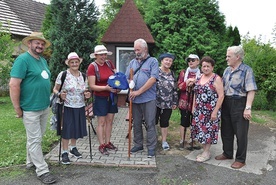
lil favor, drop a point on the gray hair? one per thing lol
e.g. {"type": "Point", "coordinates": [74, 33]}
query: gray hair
{"type": "Point", "coordinates": [142, 42]}
{"type": "Point", "coordinates": [237, 51]}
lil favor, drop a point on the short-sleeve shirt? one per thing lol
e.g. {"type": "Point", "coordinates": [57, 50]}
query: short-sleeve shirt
{"type": "Point", "coordinates": [105, 72]}
{"type": "Point", "coordinates": [75, 87]}
{"type": "Point", "coordinates": [35, 87]}
{"type": "Point", "coordinates": [239, 81]}
{"type": "Point", "coordinates": [149, 69]}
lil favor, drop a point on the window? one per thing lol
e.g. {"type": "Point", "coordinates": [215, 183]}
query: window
{"type": "Point", "coordinates": [123, 56]}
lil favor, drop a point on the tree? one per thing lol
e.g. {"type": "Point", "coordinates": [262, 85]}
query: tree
{"type": "Point", "coordinates": [188, 26]}
{"type": "Point", "coordinates": [7, 46]}
{"type": "Point", "coordinates": [71, 25]}
{"type": "Point", "coordinates": [233, 36]}
{"type": "Point", "coordinates": [262, 58]}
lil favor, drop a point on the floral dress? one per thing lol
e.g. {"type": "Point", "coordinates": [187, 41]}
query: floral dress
{"type": "Point", "coordinates": [202, 128]}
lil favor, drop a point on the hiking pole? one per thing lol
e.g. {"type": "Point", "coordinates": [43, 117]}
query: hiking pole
{"type": "Point", "coordinates": [89, 133]}
{"type": "Point", "coordinates": [61, 123]}
{"type": "Point", "coordinates": [131, 86]}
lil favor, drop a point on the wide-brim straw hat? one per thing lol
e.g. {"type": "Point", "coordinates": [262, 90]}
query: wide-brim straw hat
{"type": "Point", "coordinates": [72, 56]}
{"type": "Point", "coordinates": [36, 36]}
{"type": "Point", "coordinates": [100, 49]}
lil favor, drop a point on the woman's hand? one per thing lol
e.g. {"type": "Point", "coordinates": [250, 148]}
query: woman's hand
{"type": "Point", "coordinates": [87, 94]}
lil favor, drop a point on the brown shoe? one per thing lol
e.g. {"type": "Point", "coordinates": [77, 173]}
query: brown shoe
{"type": "Point", "coordinates": [221, 157]}
{"type": "Point", "coordinates": [237, 165]}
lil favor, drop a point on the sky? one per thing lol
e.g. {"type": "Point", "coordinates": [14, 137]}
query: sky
{"type": "Point", "coordinates": [258, 18]}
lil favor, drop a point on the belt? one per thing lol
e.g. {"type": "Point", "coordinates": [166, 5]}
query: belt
{"type": "Point", "coordinates": [234, 97]}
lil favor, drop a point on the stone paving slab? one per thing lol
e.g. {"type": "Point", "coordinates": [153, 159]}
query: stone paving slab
{"type": "Point", "coordinates": [115, 158]}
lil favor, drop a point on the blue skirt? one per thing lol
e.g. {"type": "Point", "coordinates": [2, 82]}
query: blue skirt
{"type": "Point", "coordinates": [74, 123]}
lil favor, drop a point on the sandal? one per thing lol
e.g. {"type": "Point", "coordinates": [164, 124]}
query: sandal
{"type": "Point", "coordinates": [47, 178]}
{"type": "Point", "coordinates": [201, 158]}
{"type": "Point", "coordinates": [198, 156]}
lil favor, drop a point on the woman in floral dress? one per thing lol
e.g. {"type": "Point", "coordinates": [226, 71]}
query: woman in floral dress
{"type": "Point", "coordinates": [206, 108]}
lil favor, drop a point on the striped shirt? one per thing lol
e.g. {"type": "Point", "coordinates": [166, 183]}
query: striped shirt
{"type": "Point", "coordinates": [239, 81]}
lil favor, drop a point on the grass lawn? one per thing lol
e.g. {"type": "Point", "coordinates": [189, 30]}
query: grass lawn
{"type": "Point", "coordinates": [13, 136]}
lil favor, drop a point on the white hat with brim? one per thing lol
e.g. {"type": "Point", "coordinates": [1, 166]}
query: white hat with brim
{"type": "Point", "coordinates": [72, 56]}
{"type": "Point", "coordinates": [36, 36]}
{"type": "Point", "coordinates": [100, 49]}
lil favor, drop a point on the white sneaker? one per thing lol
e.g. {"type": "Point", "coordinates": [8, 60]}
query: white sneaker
{"type": "Point", "coordinates": [165, 145]}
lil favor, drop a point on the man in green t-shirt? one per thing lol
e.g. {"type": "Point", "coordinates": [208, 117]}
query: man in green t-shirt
{"type": "Point", "coordinates": [29, 92]}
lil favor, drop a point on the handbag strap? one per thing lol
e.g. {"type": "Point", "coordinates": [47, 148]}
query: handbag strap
{"type": "Point", "coordinates": [136, 70]}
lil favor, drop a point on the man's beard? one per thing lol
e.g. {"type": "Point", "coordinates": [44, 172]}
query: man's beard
{"type": "Point", "coordinates": [34, 50]}
{"type": "Point", "coordinates": [140, 56]}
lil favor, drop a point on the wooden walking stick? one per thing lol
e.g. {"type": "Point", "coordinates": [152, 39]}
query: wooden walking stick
{"type": "Point", "coordinates": [130, 113]}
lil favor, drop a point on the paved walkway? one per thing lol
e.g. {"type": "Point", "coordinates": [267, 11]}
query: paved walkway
{"type": "Point", "coordinates": [261, 149]}
{"type": "Point", "coordinates": [118, 138]}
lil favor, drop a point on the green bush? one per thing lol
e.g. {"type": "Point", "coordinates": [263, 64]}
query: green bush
{"type": "Point", "coordinates": [260, 101]}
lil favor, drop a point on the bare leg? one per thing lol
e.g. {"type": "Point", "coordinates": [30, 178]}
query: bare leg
{"type": "Point", "coordinates": [108, 127]}
{"type": "Point", "coordinates": [65, 143]}
{"type": "Point", "coordinates": [164, 133]}
{"type": "Point", "coordinates": [100, 129]}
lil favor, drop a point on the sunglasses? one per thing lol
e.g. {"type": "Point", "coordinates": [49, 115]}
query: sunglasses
{"type": "Point", "coordinates": [191, 60]}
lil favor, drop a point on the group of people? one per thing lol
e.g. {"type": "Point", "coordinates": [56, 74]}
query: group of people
{"type": "Point", "coordinates": [205, 100]}
{"type": "Point", "coordinates": [204, 96]}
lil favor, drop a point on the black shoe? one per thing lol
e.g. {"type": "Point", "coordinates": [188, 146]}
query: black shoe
{"type": "Point", "coordinates": [65, 159]}
{"type": "Point", "coordinates": [136, 149]}
{"type": "Point", "coordinates": [75, 153]}
{"type": "Point", "coordinates": [47, 178]}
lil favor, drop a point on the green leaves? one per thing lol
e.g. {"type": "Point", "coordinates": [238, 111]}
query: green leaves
{"type": "Point", "coordinates": [71, 25]}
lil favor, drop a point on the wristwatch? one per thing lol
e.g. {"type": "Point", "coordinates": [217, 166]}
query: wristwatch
{"type": "Point", "coordinates": [247, 108]}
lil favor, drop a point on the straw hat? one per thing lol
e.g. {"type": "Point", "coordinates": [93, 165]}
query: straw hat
{"type": "Point", "coordinates": [71, 56]}
{"type": "Point", "coordinates": [100, 49]}
{"type": "Point", "coordinates": [36, 36]}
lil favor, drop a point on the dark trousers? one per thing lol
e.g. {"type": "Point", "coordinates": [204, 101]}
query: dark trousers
{"type": "Point", "coordinates": [233, 123]}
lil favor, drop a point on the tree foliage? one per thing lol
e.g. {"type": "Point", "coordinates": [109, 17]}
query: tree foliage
{"type": "Point", "coordinates": [262, 58]}
{"type": "Point", "coordinates": [188, 26]}
{"type": "Point", "coordinates": [71, 25]}
{"type": "Point", "coordinates": [7, 46]}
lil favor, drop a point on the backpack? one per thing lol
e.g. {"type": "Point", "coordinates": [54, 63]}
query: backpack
{"type": "Point", "coordinates": [97, 73]}
{"type": "Point", "coordinates": [53, 101]}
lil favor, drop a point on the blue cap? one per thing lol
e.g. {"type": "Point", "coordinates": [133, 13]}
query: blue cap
{"type": "Point", "coordinates": [166, 55]}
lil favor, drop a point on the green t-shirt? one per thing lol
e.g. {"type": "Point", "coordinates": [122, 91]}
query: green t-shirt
{"type": "Point", "coordinates": [35, 85]}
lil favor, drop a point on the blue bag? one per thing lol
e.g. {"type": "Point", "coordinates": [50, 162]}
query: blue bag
{"type": "Point", "coordinates": [117, 81]}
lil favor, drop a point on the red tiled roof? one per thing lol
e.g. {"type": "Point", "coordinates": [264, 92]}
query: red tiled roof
{"type": "Point", "coordinates": [127, 26]}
